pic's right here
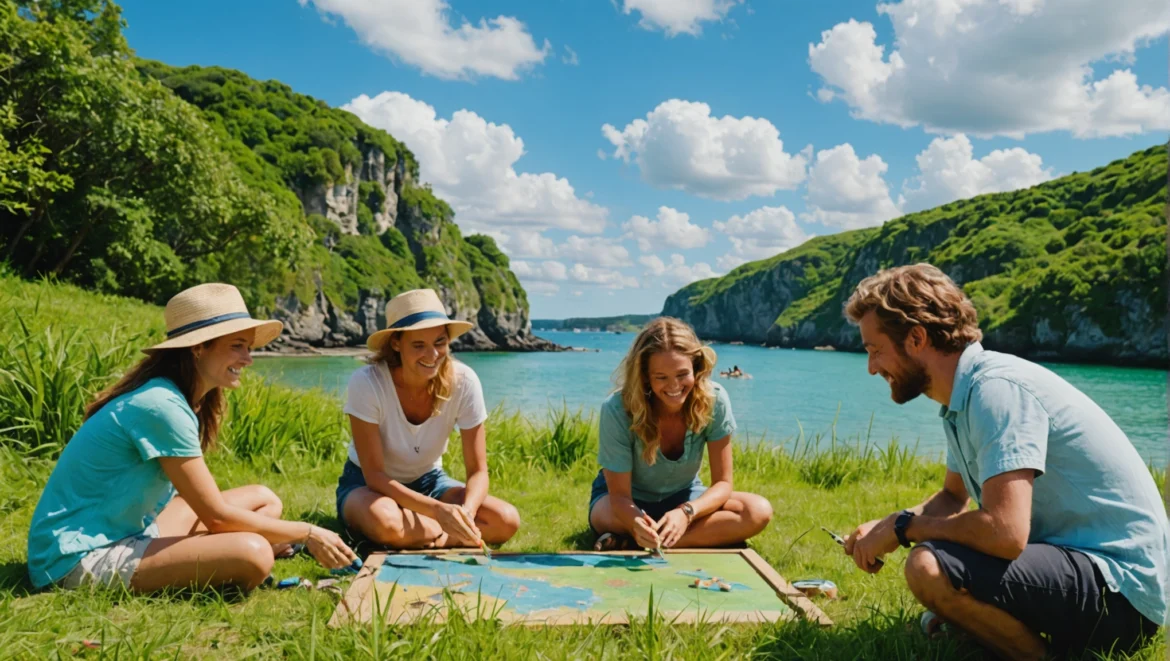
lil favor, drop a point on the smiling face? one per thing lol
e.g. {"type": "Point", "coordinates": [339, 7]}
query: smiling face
{"type": "Point", "coordinates": [220, 362]}
{"type": "Point", "coordinates": [672, 378]}
{"type": "Point", "coordinates": [906, 375]}
{"type": "Point", "coordinates": [422, 352]}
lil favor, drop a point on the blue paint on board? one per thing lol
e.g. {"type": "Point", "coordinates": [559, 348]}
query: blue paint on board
{"type": "Point", "coordinates": [524, 595]}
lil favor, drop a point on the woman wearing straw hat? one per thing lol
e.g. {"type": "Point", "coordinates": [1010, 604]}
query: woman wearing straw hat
{"type": "Point", "coordinates": [109, 513]}
{"type": "Point", "coordinates": [402, 409]}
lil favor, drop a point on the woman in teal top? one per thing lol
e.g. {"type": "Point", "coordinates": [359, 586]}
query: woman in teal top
{"type": "Point", "coordinates": [653, 432]}
{"type": "Point", "coordinates": [109, 512]}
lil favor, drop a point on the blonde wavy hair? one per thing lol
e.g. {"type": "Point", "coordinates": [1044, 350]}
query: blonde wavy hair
{"type": "Point", "coordinates": [919, 295]}
{"type": "Point", "coordinates": [440, 387]}
{"type": "Point", "coordinates": [633, 379]}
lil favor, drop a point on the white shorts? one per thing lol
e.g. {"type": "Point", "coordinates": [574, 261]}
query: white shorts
{"type": "Point", "coordinates": [112, 565]}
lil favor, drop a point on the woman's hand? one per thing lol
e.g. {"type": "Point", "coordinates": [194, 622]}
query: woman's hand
{"type": "Point", "coordinates": [644, 533]}
{"type": "Point", "coordinates": [457, 523]}
{"type": "Point", "coordinates": [672, 526]}
{"type": "Point", "coordinates": [328, 548]}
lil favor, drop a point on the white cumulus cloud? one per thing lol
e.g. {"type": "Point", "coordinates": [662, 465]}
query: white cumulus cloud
{"type": "Point", "coordinates": [676, 273]}
{"type": "Point", "coordinates": [590, 250]}
{"type": "Point", "coordinates": [948, 171]}
{"type": "Point", "coordinates": [680, 145]}
{"type": "Point", "coordinates": [542, 277]}
{"type": "Point", "coordinates": [999, 67]}
{"type": "Point", "coordinates": [673, 228]}
{"type": "Point", "coordinates": [848, 192]}
{"type": "Point", "coordinates": [675, 17]}
{"type": "Point", "coordinates": [423, 34]}
{"type": "Point", "coordinates": [762, 233]}
{"type": "Point", "coordinates": [609, 278]}
{"type": "Point", "coordinates": [470, 162]}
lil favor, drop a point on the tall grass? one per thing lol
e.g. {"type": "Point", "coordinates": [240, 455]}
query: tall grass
{"type": "Point", "coordinates": [272, 424]}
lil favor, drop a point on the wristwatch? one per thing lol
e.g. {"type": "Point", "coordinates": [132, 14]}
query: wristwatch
{"type": "Point", "coordinates": [900, 525]}
{"type": "Point", "coordinates": [689, 510]}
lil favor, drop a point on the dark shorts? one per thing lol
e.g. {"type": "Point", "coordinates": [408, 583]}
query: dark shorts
{"type": "Point", "coordinates": [655, 508]}
{"type": "Point", "coordinates": [433, 484]}
{"type": "Point", "coordinates": [1053, 590]}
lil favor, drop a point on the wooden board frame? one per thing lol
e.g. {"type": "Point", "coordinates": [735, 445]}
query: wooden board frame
{"type": "Point", "coordinates": [357, 606]}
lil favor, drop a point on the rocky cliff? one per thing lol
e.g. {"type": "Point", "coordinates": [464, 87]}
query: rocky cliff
{"type": "Point", "coordinates": [372, 229]}
{"type": "Point", "coordinates": [442, 258]}
{"type": "Point", "coordinates": [1073, 269]}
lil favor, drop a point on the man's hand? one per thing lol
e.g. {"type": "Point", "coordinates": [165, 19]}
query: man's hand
{"type": "Point", "coordinates": [871, 541]}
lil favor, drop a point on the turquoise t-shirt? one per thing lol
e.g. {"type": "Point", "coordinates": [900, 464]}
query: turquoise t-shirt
{"type": "Point", "coordinates": [1092, 492]}
{"type": "Point", "coordinates": [620, 450]}
{"type": "Point", "coordinates": [106, 485]}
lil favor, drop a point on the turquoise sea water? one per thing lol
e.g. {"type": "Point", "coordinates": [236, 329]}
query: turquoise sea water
{"type": "Point", "coordinates": [790, 390]}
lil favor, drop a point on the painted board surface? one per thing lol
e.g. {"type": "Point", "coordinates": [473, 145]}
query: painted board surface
{"type": "Point", "coordinates": [567, 588]}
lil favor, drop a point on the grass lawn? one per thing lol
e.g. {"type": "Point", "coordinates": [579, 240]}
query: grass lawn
{"type": "Point", "coordinates": [58, 345]}
{"type": "Point", "coordinates": [876, 617]}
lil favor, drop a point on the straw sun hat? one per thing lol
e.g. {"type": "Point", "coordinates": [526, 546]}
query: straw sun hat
{"type": "Point", "coordinates": [205, 312]}
{"type": "Point", "coordinates": [415, 310]}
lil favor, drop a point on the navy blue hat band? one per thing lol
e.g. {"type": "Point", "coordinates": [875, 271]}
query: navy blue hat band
{"type": "Point", "coordinates": [196, 325]}
{"type": "Point", "coordinates": [411, 319]}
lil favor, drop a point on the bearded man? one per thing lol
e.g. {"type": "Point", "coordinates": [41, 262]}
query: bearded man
{"type": "Point", "coordinates": [1068, 547]}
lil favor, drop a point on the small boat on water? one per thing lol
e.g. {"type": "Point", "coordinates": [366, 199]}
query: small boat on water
{"type": "Point", "coordinates": [734, 373]}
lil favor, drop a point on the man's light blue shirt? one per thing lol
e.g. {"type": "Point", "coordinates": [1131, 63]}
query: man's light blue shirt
{"type": "Point", "coordinates": [1092, 492]}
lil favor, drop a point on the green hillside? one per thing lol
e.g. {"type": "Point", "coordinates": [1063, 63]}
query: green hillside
{"type": "Point", "coordinates": [132, 177]}
{"type": "Point", "coordinates": [624, 322]}
{"type": "Point", "coordinates": [1074, 269]}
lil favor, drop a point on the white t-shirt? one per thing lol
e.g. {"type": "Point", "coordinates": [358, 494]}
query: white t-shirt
{"type": "Point", "coordinates": [409, 451]}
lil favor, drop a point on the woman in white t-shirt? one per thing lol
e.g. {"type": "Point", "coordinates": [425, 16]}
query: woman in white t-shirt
{"type": "Point", "coordinates": [402, 409]}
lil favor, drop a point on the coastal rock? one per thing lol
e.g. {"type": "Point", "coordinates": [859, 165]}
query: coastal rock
{"type": "Point", "coordinates": [438, 250]}
{"type": "Point", "coordinates": [1071, 270]}
{"type": "Point", "coordinates": [338, 201]}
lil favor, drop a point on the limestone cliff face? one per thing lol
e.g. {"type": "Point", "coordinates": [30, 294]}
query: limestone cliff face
{"type": "Point", "coordinates": [338, 201]}
{"type": "Point", "coordinates": [1071, 270]}
{"type": "Point", "coordinates": [442, 257]}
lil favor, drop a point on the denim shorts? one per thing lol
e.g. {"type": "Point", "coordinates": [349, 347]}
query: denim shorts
{"type": "Point", "coordinates": [656, 509]}
{"type": "Point", "coordinates": [433, 484]}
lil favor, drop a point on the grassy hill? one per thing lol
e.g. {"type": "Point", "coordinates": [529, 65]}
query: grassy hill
{"type": "Point", "coordinates": [132, 177]}
{"type": "Point", "coordinates": [1071, 269]}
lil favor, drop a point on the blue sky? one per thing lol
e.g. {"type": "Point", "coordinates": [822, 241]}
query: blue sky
{"type": "Point", "coordinates": [735, 129]}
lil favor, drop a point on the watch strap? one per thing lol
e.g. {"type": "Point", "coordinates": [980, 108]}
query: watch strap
{"type": "Point", "coordinates": [900, 525]}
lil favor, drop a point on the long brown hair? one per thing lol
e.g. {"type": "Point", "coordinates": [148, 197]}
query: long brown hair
{"type": "Point", "coordinates": [178, 365]}
{"type": "Point", "coordinates": [439, 387]}
{"type": "Point", "coordinates": [633, 378]}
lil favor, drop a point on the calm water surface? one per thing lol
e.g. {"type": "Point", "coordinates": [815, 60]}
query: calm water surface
{"type": "Point", "coordinates": [790, 390]}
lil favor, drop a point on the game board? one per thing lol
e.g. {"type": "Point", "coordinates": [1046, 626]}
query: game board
{"type": "Point", "coordinates": [573, 588]}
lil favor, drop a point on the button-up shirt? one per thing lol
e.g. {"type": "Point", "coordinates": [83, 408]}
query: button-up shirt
{"type": "Point", "coordinates": [1091, 493]}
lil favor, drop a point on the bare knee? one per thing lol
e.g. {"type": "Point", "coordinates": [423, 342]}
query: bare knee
{"type": "Point", "coordinates": [254, 560]}
{"type": "Point", "coordinates": [757, 512]}
{"type": "Point", "coordinates": [925, 577]}
{"type": "Point", "coordinates": [388, 526]}
{"type": "Point", "coordinates": [508, 524]}
{"type": "Point", "coordinates": [267, 500]}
